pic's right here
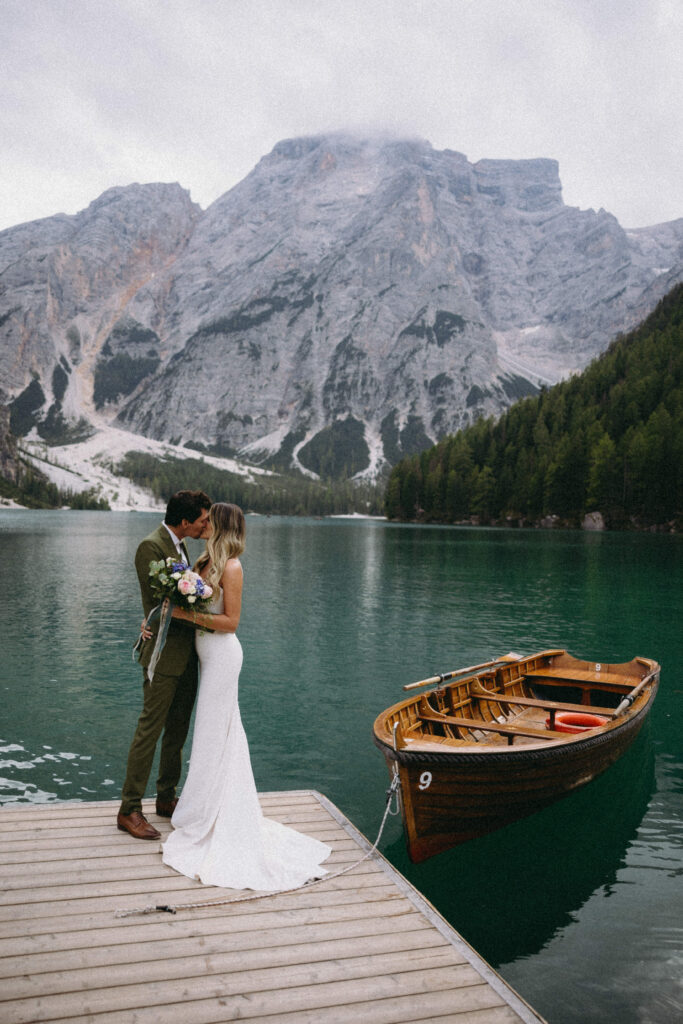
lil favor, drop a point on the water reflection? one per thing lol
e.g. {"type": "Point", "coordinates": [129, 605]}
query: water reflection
{"type": "Point", "coordinates": [510, 892]}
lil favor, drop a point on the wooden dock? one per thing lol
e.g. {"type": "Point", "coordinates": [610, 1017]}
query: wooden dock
{"type": "Point", "coordinates": [362, 947]}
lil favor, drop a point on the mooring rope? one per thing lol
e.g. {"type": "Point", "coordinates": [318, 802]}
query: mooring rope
{"type": "Point", "coordinates": [174, 908]}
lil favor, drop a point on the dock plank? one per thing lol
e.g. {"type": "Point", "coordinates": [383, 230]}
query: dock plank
{"type": "Point", "coordinates": [88, 957]}
{"type": "Point", "coordinates": [361, 946]}
{"type": "Point", "coordinates": [325, 1000]}
{"type": "Point", "coordinates": [102, 932]}
{"type": "Point", "coordinates": [56, 923]}
{"type": "Point", "coordinates": [81, 871]}
{"type": "Point", "coordinates": [197, 962]}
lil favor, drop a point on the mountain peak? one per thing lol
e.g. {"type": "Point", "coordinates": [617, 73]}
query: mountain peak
{"type": "Point", "coordinates": [356, 297]}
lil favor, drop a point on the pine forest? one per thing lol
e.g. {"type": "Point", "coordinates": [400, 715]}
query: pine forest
{"type": "Point", "coordinates": [608, 441]}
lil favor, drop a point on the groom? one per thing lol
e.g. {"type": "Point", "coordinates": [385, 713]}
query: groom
{"type": "Point", "coordinates": [169, 699]}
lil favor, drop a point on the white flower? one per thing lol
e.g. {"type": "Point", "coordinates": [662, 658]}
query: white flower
{"type": "Point", "coordinates": [191, 599]}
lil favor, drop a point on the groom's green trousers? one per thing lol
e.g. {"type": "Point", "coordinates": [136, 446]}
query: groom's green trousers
{"type": "Point", "coordinates": [168, 701]}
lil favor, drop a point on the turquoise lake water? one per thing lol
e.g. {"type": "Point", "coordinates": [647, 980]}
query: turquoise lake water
{"type": "Point", "coordinates": [580, 907]}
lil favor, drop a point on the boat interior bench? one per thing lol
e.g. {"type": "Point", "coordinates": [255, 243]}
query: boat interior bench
{"type": "Point", "coordinates": [427, 714]}
{"type": "Point", "coordinates": [583, 679]}
{"type": "Point", "coordinates": [552, 706]}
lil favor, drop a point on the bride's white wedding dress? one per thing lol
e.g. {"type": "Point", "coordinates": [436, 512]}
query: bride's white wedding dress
{"type": "Point", "coordinates": [220, 834]}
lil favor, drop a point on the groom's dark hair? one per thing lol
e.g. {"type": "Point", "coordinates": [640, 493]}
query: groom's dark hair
{"type": "Point", "coordinates": [186, 505]}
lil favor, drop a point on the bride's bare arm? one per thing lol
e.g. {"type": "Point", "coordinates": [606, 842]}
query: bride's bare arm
{"type": "Point", "coordinates": [226, 621]}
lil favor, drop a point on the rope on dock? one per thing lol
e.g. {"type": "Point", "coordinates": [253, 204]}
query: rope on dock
{"type": "Point", "coordinates": [174, 908]}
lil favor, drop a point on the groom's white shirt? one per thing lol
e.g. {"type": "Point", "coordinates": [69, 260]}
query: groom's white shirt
{"type": "Point", "coordinates": [178, 545]}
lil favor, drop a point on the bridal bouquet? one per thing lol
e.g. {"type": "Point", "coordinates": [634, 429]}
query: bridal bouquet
{"type": "Point", "coordinates": [172, 582]}
{"type": "Point", "coordinates": [175, 580]}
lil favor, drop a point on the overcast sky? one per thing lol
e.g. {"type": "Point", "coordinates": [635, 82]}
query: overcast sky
{"type": "Point", "coordinates": [97, 93]}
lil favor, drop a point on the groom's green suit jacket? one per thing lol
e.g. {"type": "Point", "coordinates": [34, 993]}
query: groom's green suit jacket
{"type": "Point", "coordinates": [179, 646]}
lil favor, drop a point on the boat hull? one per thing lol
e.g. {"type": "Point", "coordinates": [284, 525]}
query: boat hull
{"type": "Point", "coordinates": [449, 799]}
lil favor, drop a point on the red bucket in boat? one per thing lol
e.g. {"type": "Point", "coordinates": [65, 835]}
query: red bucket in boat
{"type": "Point", "coordinates": [575, 721]}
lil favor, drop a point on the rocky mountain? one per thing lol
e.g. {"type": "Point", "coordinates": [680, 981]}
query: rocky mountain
{"type": "Point", "coordinates": [351, 300]}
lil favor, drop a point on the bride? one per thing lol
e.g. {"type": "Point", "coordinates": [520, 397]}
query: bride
{"type": "Point", "coordinates": [220, 835]}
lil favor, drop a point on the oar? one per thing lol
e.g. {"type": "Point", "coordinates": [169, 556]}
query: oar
{"type": "Point", "coordinates": [433, 680]}
{"type": "Point", "coordinates": [630, 697]}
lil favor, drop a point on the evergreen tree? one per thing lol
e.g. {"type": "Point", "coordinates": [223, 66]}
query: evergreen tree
{"type": "Point", "coordinates": [605, 476]}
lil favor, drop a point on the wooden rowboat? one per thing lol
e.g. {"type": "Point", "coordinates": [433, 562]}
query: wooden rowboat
{"type": "Point", "coordinates": [501, 740]}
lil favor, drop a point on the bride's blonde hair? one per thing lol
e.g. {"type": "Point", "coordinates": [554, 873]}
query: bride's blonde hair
{"type": "Point", "coordinates": [226, 540]}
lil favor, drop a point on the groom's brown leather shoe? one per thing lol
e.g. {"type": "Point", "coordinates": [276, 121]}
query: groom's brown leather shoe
{"type": "Point", "coordinates": [136, 825]}
{"type": "Point", "coordinates": [165, 808]}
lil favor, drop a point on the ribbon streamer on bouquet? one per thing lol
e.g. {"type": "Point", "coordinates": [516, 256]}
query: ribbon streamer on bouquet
{"type": "Point", "coordinates": [164, 611]}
